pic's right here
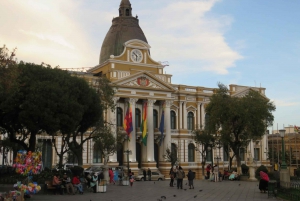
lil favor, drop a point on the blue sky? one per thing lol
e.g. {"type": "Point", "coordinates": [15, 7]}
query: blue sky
{"type": "Point", "coordinates": [244, 42]}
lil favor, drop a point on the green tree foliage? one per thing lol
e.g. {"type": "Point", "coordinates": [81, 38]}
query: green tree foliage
{"type": "Point", "coordinates": [207, 141]}
{"type": "Point", "coordinates": [239, 119]}
{"type": "Point", "coordinates": [170, 156]}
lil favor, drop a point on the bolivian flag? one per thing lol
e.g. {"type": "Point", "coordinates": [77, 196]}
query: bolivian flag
{"type": "Point", "coordinates": [144, 124]}
{"type": "Point", "coordinates": [128, 121]}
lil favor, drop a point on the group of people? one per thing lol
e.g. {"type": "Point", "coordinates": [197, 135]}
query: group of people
{"type": "Point", "coordinates": [178, 174]}
{"type": "Point", "coordinates": [67, 183]}
{"type": "Point", "coordinates": [148, 173]}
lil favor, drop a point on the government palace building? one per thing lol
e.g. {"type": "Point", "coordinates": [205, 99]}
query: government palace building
{"type": "Point", "coordinates": [138, 78]}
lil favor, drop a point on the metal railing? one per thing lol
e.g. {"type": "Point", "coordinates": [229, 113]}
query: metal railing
{"type": "Point", "coordinates": [289, 190]}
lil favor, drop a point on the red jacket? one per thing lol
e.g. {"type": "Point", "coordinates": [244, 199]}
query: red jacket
{"type": "Point", "coordinates": [75, 180]}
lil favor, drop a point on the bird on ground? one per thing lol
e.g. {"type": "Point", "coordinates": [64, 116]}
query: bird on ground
{"type": "Point", "coordinates": [185, 183]}
{"type": "Point", "coordinates": [163, 197]}
{"type": "Point", "coordinates": [159, 199]}
{"type": "Point", "coordinates": [184, 189]}
{"type": "Point", "coordinates": [200, 190]}
{"type": "Point", "coordinates": [154, 182]}
{"type": "Point", "coordinates": [174, 195]}
{"type": "Point", "coordinates": [239, 184]}
{"type": "Point", "coordinates": [195, 196]}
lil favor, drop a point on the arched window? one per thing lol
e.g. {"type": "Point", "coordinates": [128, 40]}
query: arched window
{"type": "Point", "coordinates": [97, 156]}
{"type": "Point", "coordinates": [127, 12]}
{"type": "Point", "coordinates": [119, 116]}
{"type": "Point", "coordinates": [191, 152]}
{"type": "Point", "coordinates": [137, 117]}
{"type": "Point", "coordinates": [190, 121]}
{"type": "Point", "coordinates": [173, 120]}
{"type": "Point", "coordinates": [174, 149]}
{"type": "Point", "coordinates": [155, 118]}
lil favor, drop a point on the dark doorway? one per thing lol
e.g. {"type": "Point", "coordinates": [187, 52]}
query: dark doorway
{"type": "Point", "coordinates": [120, 153]}
{"type": "Point", "coordinates": [156, 154]}
{"type": "Point", "coordinates": [139, 154]}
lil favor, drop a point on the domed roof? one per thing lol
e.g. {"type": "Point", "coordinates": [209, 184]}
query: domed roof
{"type": "Point", "coordinates": [123, 28]}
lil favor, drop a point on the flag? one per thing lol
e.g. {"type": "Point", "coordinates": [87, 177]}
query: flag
{"type": "Point", "coordinates": [128, 121]}
{"type": "Point", "coordinates": [296, 129]}
{"type": "Point", "coordinates": [144, 124]}
{"type": "Point", "coordinates": [162, 124]}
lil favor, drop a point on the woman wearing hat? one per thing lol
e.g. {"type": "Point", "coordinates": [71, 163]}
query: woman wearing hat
{"type": "Point", "coordinates": [94, 182]}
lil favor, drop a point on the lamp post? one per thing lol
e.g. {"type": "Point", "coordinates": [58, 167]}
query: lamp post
{"type": "Point", "coordinates": [128, 152]}
{"type": "Point", "coordinates": [283, 163]}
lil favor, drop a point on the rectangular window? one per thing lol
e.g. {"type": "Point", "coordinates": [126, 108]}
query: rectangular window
{"type": "Point", "coordinates": [242, 154]}
{"type": "Point", "coordinates": [209, 155]}
{"type": "Point", "coordinates": [225, 152]}
{"type": "Point", "coordinates": [256, 154]}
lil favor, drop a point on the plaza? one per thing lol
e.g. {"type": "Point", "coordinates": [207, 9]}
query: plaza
{"type": "Point", "coordinates": [154, 190]}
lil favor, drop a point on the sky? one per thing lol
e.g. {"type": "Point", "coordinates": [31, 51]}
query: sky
{"type": "Point", "coordinates": [244, 42]}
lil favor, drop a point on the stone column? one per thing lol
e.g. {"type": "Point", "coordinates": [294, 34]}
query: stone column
{"type": "Point", "coordinates": [198, 115]}
{"type": "Point", "coordinates": [132, 143]}
{"type": "Point", "coordinates": [184, 116]}
{"type": "Point", "coordinates": [180, 126]}
{"type": "Point", "coordinates": [112, 118]}
{"type": "Point", "coordinates": [167, 139]}
{"type": "Point", "coordinates": [202, 115]}
{"type": "Point", "coordinates": [150, 138]}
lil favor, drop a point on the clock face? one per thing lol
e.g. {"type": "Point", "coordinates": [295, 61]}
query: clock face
{"type": "Point", "coordinates": [136, 55]}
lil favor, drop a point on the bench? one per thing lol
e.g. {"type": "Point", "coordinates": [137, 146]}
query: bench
{"type": "Point", "coordinates": [49, 186]}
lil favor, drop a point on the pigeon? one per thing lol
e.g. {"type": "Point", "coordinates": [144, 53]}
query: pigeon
{"type": "Point", "coordinates": [163, 197]}
{"type": "Point", "coordinates": [195, 196]}
{"type": "Point", "coordinates": [184, 189]}
{"type": "Point", "coordinates": [239, 184]}
{"type": "Point", "coordinates": [159, 200]}
{"type": "Point", "coordinates": [185, 183]}
{"type": "Point", "coordinates": [200, 190]}
{"type": "Point", "coordinates": [154, 182]}
{"type": "Point", "coordinates": [174, 195]}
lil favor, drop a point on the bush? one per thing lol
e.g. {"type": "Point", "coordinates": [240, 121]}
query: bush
{"type": "Point", "coordinates": [260, 168]}
{"type": "Point", "coordinates": [245, 169]}
{"type": "Point", "coordinates": [77, 170]}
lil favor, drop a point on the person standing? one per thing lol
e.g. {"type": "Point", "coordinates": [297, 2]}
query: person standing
{"type": "Point", "coordinates": [111, 176]}
{"type": "Point", "coordinates": [94, 182]}
{"type": "Point", "coordinates": [180, 175]}
{"type": "Point", "coordinates": [171, 177]}
{"type": "Point", "coordinates": [149, 174]}
{"type": "Point", "coordinates": [264, 181]}
{"type": "Point", "coordinates": [145, 174]}
{"type": "Point", "coordinates": [67, 183]}
{"type": "Point", "coordinates": [131, 179]}
{"type": "Point", "coordinates": [191, 178]}
{"type": "Point", "coordinates": [208, 168]}
{"type": "Point", "coordinates": [216, 173]}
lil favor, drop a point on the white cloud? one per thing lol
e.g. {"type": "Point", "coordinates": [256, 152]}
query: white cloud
{"type": "Point", "coordinates": [285, 103]}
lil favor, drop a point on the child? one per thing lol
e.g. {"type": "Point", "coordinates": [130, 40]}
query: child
{"type": "Point", "coordinates": [131, 179]}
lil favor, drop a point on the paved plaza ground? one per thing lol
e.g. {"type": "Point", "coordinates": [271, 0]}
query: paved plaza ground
{"type": "Point", "coordinates": [152, 191]}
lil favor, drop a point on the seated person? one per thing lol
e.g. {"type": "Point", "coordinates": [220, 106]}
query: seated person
{"type": "Point", "coordinates": [226, 175]}
{"type": "Point", "coordinates": [67, 183]}
{"type": "Point", "coordinates": [233, 175]}
{"type": "Point", "coordinates": [76, 182]}
{"type": "Point", "coordinates": [57, 184]}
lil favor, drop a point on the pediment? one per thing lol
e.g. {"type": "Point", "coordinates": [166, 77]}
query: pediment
{"type": "Point", "coordinates": [245, 91]}
{"type": "Point", "coordinates": [144, 80]}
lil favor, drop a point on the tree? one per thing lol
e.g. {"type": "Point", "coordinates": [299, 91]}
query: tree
{"type": "Point", "coordinates": [239, 119]}
{"type": "Point", "coordinates": [171, 156]}
{"type": "Point", "coordinates": [206, 140]}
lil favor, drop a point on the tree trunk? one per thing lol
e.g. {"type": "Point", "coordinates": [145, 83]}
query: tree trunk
{"type": "Point", "coordinates": [78, 154]}
{"type": "Point", "coordinates": [32, 142]}
{"type": "Point", "coordinates": [238, 161]}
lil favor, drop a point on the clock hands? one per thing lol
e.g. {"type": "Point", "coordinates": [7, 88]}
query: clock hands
{"type": "Point", "coordinates": [136, 56]}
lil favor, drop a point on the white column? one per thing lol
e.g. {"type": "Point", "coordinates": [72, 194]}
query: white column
{"type": "Point", "coordinates": [180, 116]}
{"type": "Point", "coordinates": [184, 116]}
{"type": "Point", "coordinates": [198, 115]}
{"type": "Point", "coordinates": [112, 118]}
{"type": "Point", "coordinates": [202, 115]}
{"type": "Point", "coordinates": [167, 139]}
{"type": "Point", "coordinates": [150, 138]}
{"type": "Point", "coordinates": [132, 143]}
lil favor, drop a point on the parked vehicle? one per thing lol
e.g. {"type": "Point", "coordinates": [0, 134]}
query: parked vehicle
{"type": "Point", "coordinates": [65, 167]}
{"type": "Point", "coordinates": [155, 175]}
{"type": "Point", "coordinates": [93, 169]}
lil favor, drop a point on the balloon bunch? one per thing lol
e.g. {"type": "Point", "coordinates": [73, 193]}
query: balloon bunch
{"type": "Point", "coordinates": [32, 188]}
{"type": "Point", "coordinates": [28, 163]}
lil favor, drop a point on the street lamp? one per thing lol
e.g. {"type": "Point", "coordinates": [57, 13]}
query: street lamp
{"type": "Point", "coordinates": [128, 152]}
{"type": "Point", "coordinates": [283, 163]}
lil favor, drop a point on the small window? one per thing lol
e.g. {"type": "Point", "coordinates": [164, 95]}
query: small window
{"type": "Point", "coordinates": [127, 12]}
{"type": "Point", "coordinates": [137, 118]}
{"type": "Point", "coordinates": [173, 120]}
{"type": "Point", "coordinates": [209, 155]}
{"type": "Point", "coordinates": [119, 117]}
{"type": "Point", "coordinates": [190, 121]}
{"type": "Point", "coordinates": [97, 156]}
{"type": "Point", "coordinates": [191, 153]}
{"type": "Point", "coordinates": [155, 118]}
{"type": "Point", "coordinates": [256, 154]}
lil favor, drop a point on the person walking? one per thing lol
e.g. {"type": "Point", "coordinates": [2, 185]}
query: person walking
{"type": "Point", "coordinates": [145, 174]}
{"type": "Point", "coordinates": [131, 179]}
{"type": "Point", "coordinates": [111, 176]}
{"type": "Point", "coordinates": [180, 175]}
{"type": "Point", "coordinates": [191, 178]}
{"type": "Point", "coordinates": [149, 174]}
{"type": "Point", "coordinates": [171, 177]}
{"type": "Point", "coordinates": [67, 184]}
{"type": "Point", "coordinates": [94, 182]}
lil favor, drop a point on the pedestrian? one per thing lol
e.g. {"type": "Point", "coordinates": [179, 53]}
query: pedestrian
{"type": "Point", "coordinates": [111, 176]}
{"type": "Point", "coordinates": [131, 179]}
{"type": "Point", "coordinates": [67, 184]}
{"type": "Point", "coordinates": [149, 174]}
{"type": "Point", "coordinates": [208, 168]}
{"type": "Point", "coordinates": [94, 182]}
{"type": "Point", "coordinates": [145, 174]}
{"type": "Point", "coordinates": [191, 178]}
{"type": "Point", "coordinates": [216, 173]}
{"type": "Point", "coordinates": [264, 181]}
{"type": "Point", "coordinates": [180, 175]}
{"type": "Point", "coordinates": [171, 177]}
